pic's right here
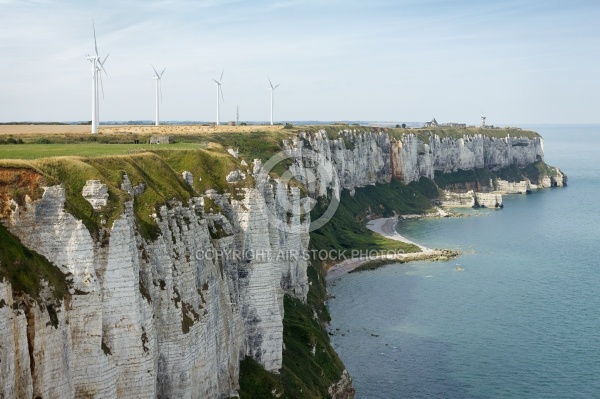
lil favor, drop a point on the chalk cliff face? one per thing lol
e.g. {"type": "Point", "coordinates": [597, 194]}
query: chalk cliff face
{"type": "Point", "coordinates": [416, 158]}
{"type": "Point", "coordinates": [173, 316]}
{"type": "Point", "coordinates": [169, 318]}
{"type": "Point", "coordinates": [361, 159]}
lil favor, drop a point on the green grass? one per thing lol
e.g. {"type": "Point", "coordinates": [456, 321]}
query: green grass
{"type": "Point", "coordinates": [251, 145]}
{"type": "Point", "coordinates": [209, 168]}
{"type": "Point", "coordinates": [35, 151]}
{"type": "Point", "coordinates": [25, 269]}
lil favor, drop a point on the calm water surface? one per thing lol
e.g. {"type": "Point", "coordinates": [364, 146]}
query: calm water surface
{"type": "Point", "coordinates": [520, 321]}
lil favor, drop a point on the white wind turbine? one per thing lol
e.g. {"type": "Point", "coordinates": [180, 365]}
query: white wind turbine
{"type": "Point", "coordinates": [272, 89]}
{"type": "Point", "coordinates": [97, 68]}
{"type": "Point", "coordinates": [219, 94]}
{"type": "Point", "coordinates": [158, 77]}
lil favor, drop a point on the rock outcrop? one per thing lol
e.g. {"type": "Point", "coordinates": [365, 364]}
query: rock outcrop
{"type": "Point", "coordinates": [95, 193]}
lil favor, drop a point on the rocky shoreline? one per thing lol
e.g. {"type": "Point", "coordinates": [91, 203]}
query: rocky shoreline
{"type": "Point", "coordinates": [385, 227]}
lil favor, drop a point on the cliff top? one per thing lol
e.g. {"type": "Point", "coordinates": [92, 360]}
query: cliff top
{"type": "Point", "coordinates": [159, 172]}
{"type": "Point", "coordinates": [41, 141]}
{"type": "Point", "coordinates": [425, 133]}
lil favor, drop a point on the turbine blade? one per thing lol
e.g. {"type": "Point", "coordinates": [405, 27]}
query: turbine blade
{"type": "Point", "coordinates": [222, 75]}
{"type": "Point", "coordinates": [222, 96]}
{"type": "Point", "coordinates": [95, 44]}
{"type": "Point", "coordinates": [163, 71]}
{"type": "Point", "coordinates": [102, 64]}
{"type": "Point", "coordinates": [160, 89]}
{"type": "Point", "coordinates": [270, 84]}
{"type": "Point", "coordinates": [154, 70]}
{"type": "Point", "coordinates": [101, 85]}
{"type": "Point", "coordinates": [276, 86]}
{"type": "Point", "coordinates": [219, 83]}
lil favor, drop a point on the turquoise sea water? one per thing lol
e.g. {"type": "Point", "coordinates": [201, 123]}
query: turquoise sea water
{"type": "Point", "coordinates": [522, 320]}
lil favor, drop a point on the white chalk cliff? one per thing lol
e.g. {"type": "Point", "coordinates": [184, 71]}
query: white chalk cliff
{"type": "Point", "coordinates": [173, 317]}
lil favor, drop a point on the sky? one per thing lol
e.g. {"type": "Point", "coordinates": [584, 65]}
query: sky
{"type": "Point", "coordinates": [377, 60]}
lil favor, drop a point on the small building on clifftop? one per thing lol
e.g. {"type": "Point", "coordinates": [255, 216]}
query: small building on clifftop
{"type": "Point", "coordinates": [162, 140]}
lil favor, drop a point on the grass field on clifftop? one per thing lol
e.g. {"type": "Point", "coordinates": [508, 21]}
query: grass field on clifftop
{"type": "Point", "coordinates": [36, 151]}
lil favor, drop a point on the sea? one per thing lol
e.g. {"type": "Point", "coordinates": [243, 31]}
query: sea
{"type": "Point", "coordinates": [517, 315]}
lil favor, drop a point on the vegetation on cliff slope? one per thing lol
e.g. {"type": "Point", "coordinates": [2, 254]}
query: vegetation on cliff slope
{"type": "Point", "coordinates": [159, 172]}
{"type": "Point", "coordinates": [480, 178]}
{"type": "Point", "coordinates": [347, 228]}
{"type": "Point", "coordinates": [25, 269]}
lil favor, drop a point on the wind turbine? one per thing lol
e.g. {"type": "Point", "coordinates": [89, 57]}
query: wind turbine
{"type": "Point", "coordinates": [97, 68]}
{"type": "Point", "coordinates": [272, 88]}
{"type": "Point", "coordinates": [158, 77]}
{"type": "Point", "coordinates": [219, 94]}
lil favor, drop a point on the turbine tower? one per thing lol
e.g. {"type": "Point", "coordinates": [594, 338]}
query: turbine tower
{"type": "Point", "coordinates": [158, 77]}
{"type": "Point", "coordinates": [272, 88]}
{"type": "Point", "coordinates": [219, 95]}
{"type": "Point", "coordinates": [97, 68]}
